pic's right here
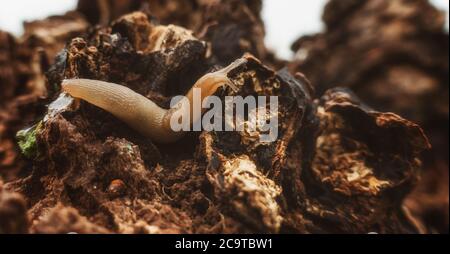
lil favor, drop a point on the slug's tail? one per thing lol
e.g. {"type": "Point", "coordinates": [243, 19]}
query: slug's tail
{"type": "Point", "coordinates": [114, 98]}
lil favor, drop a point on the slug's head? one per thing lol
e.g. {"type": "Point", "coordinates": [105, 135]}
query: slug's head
{"type": "Point", "coordinates": [220, 78]}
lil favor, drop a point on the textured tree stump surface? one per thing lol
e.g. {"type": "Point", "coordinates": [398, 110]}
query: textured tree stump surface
{"type": "Point", "coordinates": [338, 165]}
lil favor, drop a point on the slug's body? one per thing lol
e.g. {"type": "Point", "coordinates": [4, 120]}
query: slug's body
{"type": "Point", "coordinates": [137, 111]}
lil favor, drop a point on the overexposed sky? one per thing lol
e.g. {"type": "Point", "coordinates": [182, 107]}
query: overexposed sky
{"type": "Point", "coordinates": [14, 12]}
{"type": "Point", "coordinates": [286, 20]}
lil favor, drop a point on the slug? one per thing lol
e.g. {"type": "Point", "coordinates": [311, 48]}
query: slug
{"type": "Point", "coordinates": [140, 113]}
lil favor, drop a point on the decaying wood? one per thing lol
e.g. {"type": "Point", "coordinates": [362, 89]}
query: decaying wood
{"type": "Point", "coordinates": [394, 56]}
{"type": "Point", "coordinates": [338, 165]}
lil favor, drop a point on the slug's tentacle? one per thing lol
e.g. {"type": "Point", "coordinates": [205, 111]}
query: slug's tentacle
{"type": "Point", "coordinates": [137, 111]}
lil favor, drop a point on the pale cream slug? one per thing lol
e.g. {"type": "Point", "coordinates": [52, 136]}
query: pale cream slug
{"type": "Point", "coordinates": [140, 113]}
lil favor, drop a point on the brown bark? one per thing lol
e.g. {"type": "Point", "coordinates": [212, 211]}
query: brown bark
{"type": "Point", "coordinates": [394, 56]}
{"type": "Point", "coordinates": [338, 166]}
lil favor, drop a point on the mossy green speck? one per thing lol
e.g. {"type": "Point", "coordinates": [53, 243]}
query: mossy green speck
{"type": "Point", "coordinates": [26, 140]}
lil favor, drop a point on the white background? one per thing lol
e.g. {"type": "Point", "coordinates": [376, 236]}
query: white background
{"type": "Point", "coordinates": [286, 20]}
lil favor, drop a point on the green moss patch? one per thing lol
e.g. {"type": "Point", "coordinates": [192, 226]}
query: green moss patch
{"type": "Point", "coordinates": [26, 140]}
